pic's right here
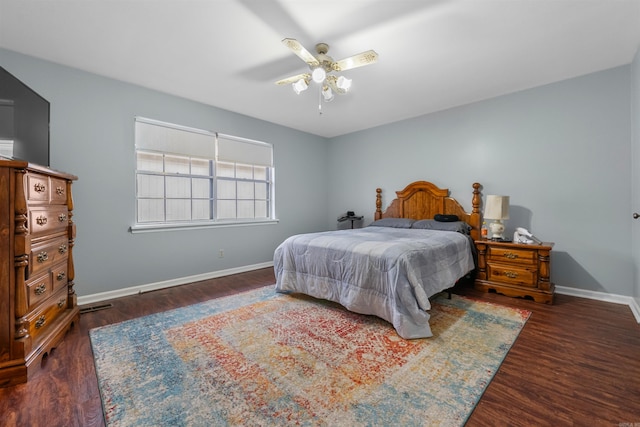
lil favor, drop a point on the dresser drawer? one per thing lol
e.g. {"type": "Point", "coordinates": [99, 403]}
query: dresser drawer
{"type": "Point", "coordinates": [41, 188]}
{"type": "Point", "coordinates": [40, 320]}
{"type": "Point", "coordinates": [37, 188]}
{"type": "Point", "coordinates": [43, 220]}
{"type": "Point", "coordinates": [58, 194]}
{"type": "Point", "coordinates": [59, 276]}
{"type": "Point", "coordinates": [524, 256]}
{"type": "Point", "coordinates": [512, 274]}
{"type": "Point", "coordinates": [48, 253]}
{"type": "Point", "coordinates": [39, 289]}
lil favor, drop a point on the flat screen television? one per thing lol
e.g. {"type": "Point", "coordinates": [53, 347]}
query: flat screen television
{"type": "Point", "coordinates": [24, 121]}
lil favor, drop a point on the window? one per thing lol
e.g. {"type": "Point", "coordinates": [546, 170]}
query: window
{"type": "Point", "coordinates": [190, 177]}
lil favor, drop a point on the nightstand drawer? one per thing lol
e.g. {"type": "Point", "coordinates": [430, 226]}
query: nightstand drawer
{"type": "Point", "coordinates": [499, 253]}
{"type": "Point", "coordinates": [512, 274]}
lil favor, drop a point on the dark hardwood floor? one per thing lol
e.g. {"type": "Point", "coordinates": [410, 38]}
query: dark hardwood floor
{"type": "Point", "coordinates": [576, 362]}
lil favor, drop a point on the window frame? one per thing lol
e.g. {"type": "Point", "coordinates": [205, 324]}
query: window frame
{"type": "Point", "coordinates": [214, 221]}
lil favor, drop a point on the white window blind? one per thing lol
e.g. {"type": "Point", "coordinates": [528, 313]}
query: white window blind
{"type": "Point", "coordinates": [174, 139]}
{"type": "Point", "coordinates": [240, 150]}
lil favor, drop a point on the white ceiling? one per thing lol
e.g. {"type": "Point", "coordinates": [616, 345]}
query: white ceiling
{"type": "Point", "coordinates": [433, 54]}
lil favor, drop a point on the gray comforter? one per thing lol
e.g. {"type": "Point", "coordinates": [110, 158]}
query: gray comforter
{"type": "Point", "coordinates": [381, 271]}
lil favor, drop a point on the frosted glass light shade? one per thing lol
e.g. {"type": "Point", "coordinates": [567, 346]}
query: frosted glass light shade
{"type": "Point", "coordinates": [318, 75]}
{"type": "Point", "coordinates": [327, 94]}
{"type": "Point", "coordinates": [343, 83]}
{"type": "Point", "coordinates": [300, 86]}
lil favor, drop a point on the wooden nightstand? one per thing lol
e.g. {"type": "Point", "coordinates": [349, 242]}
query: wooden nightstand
{"type": "Point", "coordinates": [515, 270]}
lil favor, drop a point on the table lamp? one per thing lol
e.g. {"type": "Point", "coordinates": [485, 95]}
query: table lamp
{"type": "Point", "coordinates": [497, 209]}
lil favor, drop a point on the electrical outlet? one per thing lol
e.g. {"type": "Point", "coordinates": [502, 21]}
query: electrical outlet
{"type": "Point", "coordinates": [221, 253]}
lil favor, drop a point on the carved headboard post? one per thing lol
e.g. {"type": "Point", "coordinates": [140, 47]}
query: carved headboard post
{"type": "Point", "coordinates": [475, 217]}
{"type": "Point", "coordinates": [378, 213]}
{"type": "Point", "coordinates": [475, 201]}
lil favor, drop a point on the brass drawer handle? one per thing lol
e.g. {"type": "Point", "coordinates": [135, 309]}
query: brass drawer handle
{"type": "Point", "coordinates": [60, 190]}
{"type": "Point", "coordinates": [62, 217]}
{"type": "Point", "coordinates": [61, 276]}
{"type": "Point", "coordinates": [511, 274]}
{"type": "Point", "coordinates": [43, 256]}
{"type": "Point", "coordinates": [40, 322]}
{"type": "Point", "coordinates": [510, 255]}
{"type": "Point", "coordinates": [62, 302]}
{"type": "Point", "coordinates": [40, 289]}
{"type": "Point", "coordinates": [62, 249]}
{"type": "Point", "coordinates": [41, 220]}
{"type": "Point", "coordinates": [39, 187]}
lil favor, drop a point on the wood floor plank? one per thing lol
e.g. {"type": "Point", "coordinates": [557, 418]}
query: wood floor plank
{"type": "Point", "coordinates": [576, 362]}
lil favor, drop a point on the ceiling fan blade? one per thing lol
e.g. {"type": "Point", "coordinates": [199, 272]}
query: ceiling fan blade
{"type": "Point", "coordinates": [293, 79]}
{"type": "Point", "coordinates": [302, 53]}
{"type": "Point", "coordinates": [355, 61]}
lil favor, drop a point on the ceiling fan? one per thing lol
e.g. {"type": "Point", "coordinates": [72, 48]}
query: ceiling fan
{"type": "Point", "coordinates": [321, 68]}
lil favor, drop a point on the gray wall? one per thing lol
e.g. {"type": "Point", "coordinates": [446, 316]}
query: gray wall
{"type": "Point", "coordinates": [561, 152]}
{"type": "Point", "coordinates": [92, 136]}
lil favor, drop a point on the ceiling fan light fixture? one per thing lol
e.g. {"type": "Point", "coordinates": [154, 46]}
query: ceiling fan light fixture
{"type": "Point", "coordinates": [322, 68]}
{"type": "Point", "coordinates": [343, 83]}
{"type": "Point", "coordinates": [318, 74]}
{"type": "Point", "coordinates": [300, 86]}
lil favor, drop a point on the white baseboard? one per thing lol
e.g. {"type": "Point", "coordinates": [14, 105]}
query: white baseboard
{"type": "Point", "coordinates": [602, 296]}
{"type": "Point", "coordinates": [103, 296]}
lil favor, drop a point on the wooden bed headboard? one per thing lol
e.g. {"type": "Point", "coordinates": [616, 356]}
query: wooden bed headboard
{"type": "Point", "coordinates": [424, 200]}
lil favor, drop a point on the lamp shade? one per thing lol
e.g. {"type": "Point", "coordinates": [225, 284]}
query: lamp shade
{"type": "Point", "coordinates": [496, 207]}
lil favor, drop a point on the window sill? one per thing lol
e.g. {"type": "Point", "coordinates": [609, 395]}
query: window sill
{"type": "Point", "coordinates": [151, 228]}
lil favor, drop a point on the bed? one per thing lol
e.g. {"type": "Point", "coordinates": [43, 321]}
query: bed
{"type": "Point", "coordinates": [421, 245]}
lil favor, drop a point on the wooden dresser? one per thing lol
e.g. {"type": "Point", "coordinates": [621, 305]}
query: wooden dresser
{"type": "Point", "coordinates": [516, 270]}
{"type": "Point", "coordinates": [37, 300]}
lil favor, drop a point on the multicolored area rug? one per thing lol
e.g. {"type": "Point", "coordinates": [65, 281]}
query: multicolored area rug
{"type": "Point", "coordinates": [262, 358]}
